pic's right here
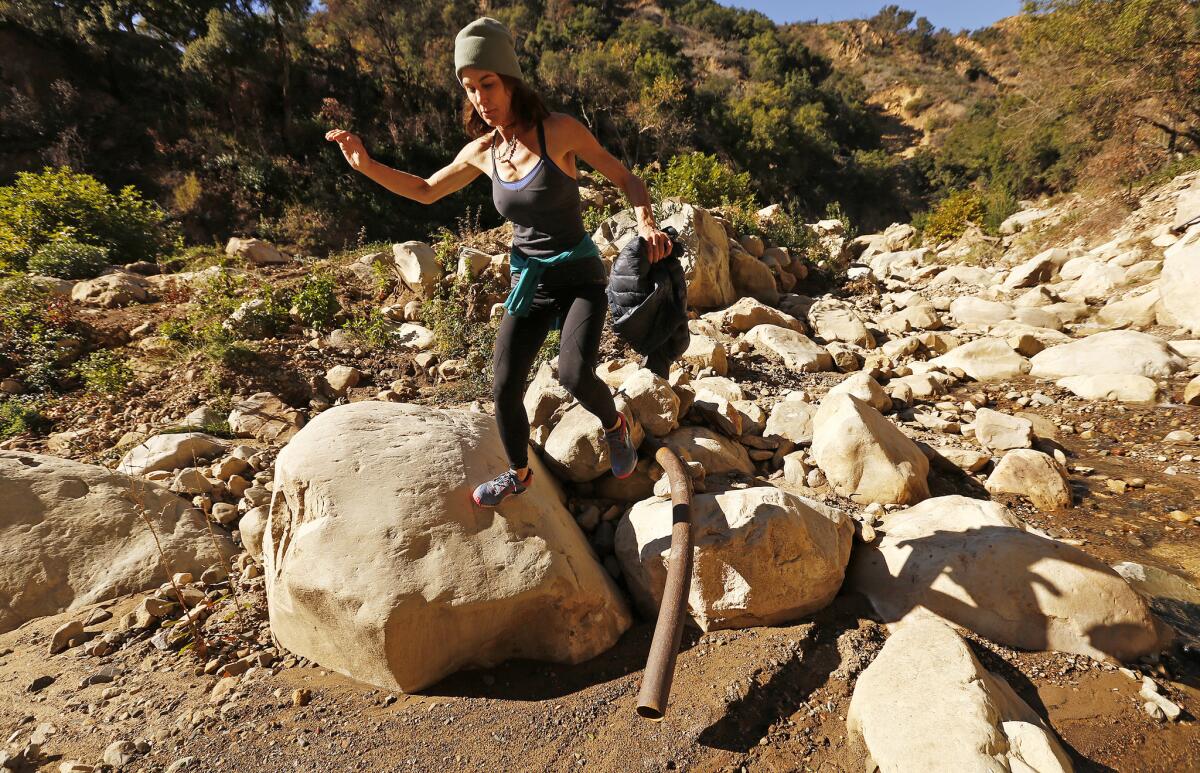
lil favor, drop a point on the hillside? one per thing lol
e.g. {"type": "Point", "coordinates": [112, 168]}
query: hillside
{"type": "Point", "coordinates": [963, 369]}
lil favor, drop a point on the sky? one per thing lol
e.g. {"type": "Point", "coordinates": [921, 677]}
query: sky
{"type": "Point", "coordinates": [951, 14]}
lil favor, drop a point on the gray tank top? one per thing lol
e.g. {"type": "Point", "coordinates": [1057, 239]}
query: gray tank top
{"type": "Point", "coordinates": [547, 217]}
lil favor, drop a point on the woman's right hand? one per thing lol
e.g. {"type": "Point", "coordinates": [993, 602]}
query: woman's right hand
{"type": "Point", "coordinates": [351, 145]}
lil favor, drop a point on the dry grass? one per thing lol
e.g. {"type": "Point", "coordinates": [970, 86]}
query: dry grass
{"type": "Point", "coordinates": [137, 496]}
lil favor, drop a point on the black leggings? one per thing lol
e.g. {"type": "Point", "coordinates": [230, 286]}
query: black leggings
{"type": "Point", "coordinates": [584, 307]}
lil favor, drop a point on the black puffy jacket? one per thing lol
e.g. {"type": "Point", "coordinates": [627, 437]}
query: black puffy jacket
{"type": "Point", "coordinates": [649, 303]}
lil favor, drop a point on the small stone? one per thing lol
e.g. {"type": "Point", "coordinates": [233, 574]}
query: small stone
{"type": "Point", "coordinates": [74, 766]}
{"type": "Point", "coordinates": [120, 753]}
{"type": "Point", "coordinates": [98, 616]}
{"type": "Point", "coordinates": [1154, 711]}
{"type": "Point", "coordinates": [63, 635]}
{"type": "Point", "coordinates": [301, 697]}
{"type": "Point", "coordinates": [223, 689]}
{"type": "Point", "coordinates": [40, 683]}
{"type": "Point", "coordinates": [183, 763]}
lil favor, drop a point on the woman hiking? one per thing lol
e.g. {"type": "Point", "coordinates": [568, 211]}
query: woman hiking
{"type": "Point", "coordinates": [557, 276]}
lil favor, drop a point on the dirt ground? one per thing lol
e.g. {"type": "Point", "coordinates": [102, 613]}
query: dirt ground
{"type": "Point", "coordinates": [763, 699]}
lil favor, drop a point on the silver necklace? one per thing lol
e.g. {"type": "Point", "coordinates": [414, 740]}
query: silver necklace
{"type": "Point", "coordinates": [511, 146]}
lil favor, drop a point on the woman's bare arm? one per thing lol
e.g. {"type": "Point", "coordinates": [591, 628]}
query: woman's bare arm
{"type": "Point", "coordinates": [453, 177]}
{"type": "Point", "coordinates": [588, 148]}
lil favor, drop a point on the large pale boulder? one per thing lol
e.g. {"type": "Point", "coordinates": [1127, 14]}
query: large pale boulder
{"type": "Point", "coordinates": [791, 420]}
{"type": "Point", "coordinates": [74, 534]}
{"type": "Point", "coordinates": [1123, 388]}
{"type": "Point", "coordinates": [380, 567]}
{"type": "Point", "coordinates": [985, 359]}
{"type": "Point", "coordinates": [1180, 281]}
{"type": "Point", "coordinates": [1114, 351]}
{"type": "Point", "coordinates": [704, 352]}
{"type": "Point", "coordinates": [969, 310]}
{"type": "Point", "coordinates": [576, 450]}
{"type": "Point", "coordinates": [918, 316]}
{"type": "Point", "coordinates": [545, 402]}
{"type": "Point", "coordinates": [255, 251]}
{"type": "Point", "coordinates": [866, 457]}
{"type": "Point", "coordinates": [119, 288]}
{"type": "Point", "coordinates": [1096, 282]}
{"type": "Point", "coordinates": [761, 556]}
{"type": "Point", "coordinates": [748, 313]}
{"type": "Point", "coordinates": [865, 388]}
{"type": "Point", "coordinates": [960, 274]}
{"type": "Point", "coordinates": [170, 452]}
{"type": "Point", "coordinates": [413, 337]}
{"type": "Point", "coordinates": [795, 350]}
{"type": "Point", "coordinates": [926, 703]}
{"type": "Point", "coordinates": [1138, 310]}
{"type": "Point", "coordinates": [654, 404]}
{"type": "Point", "coordinates": [715, 452]}
{"type": "Point", "coordinates": [1034, 271]}
{"type": "Point", "coordinates": [834, 320]}
{"type": "Point", "coordinates": [266, 417]}
{"type": "Point", "coordinates": [1034, 475]}
{"type": "Point", "coordinates": [418, 266]}
{"type": "Point", "coordinates": [975, 564]}
{"type": "Point", "coordinates": [752, 277]}
{"type": "Point", "coordinates": [706, 254]}
{"type": "Point", "coordinates": [998, 431]}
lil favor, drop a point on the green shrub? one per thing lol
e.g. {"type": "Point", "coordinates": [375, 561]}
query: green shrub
{"type": "Point", "coordinates": [701, 179]}
{"type": "Point", "coordinates": [594, 216]}
{"type": "Point", "coordinates": [371, 329]}
{"type": "Point", "coordinates": [315, 301]}
{"type": "Point", "coordinates": [39, 205]}
{"type": "Point", "coordinates": [459, 322]}
{"type": "Point", "coordinates": [948, 219]}
{"type": "Point", "coordinates": [221, 294]}
{"type": "Point", "coordinates": [66, 257]}
{"type": "Point", "coordinates": [33, 322]}
{"type": "Point", "coordinates": [104, 372]}
{"type": "Point", "coordinates": [19, 415]}
{"type": "Point", "coordinates": [176, 329]}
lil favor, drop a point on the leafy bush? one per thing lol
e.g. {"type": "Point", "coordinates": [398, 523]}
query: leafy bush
{"type": "Point", "coordinates": [104, 372]}
{"type": "Point", "coordinates": [175, 329]}
{"type": "Point", "coordinates": [19, 415]}
{"type": "Point", "coordinates": [701, 179]}
{"type": "Point", "coordinates": [371, 329]}
{"type": "Point", "coordinates": [458, 316]}
{"type": "Point", "coordinates": [315, 301]}
{"type": "Point", "coordinates": [40, 205]}
{"type": "Point", "coordinates": [33, 323]}
{"type": "Point", "coordinates": [66, 257]}
{"type": "Point", "coordinates": [948, 219]}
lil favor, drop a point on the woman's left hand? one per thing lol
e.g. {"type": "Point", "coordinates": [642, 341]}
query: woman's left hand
{"type": "Point", "coordinates": [658, 243]}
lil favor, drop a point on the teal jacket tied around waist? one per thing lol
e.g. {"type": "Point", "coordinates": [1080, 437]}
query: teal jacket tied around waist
{"type": "Point", "coordinates": [531, 270]}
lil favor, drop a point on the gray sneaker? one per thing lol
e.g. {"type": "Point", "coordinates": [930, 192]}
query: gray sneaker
{"type": "Point", "coordinates": [621, 448]}
{"type": "Point", "coordinates": [501, 487]}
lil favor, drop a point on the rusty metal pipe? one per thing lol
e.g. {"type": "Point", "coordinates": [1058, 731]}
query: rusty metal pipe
{"type": "Point", "coordinates": [668, 630]}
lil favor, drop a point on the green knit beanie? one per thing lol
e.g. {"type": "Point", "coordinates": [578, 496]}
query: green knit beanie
{"type": "Point", "coordinates": [488, 45]}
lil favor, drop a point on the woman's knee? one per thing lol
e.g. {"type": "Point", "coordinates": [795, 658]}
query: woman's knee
{"type": "Point", "coordinates": [577, 379]}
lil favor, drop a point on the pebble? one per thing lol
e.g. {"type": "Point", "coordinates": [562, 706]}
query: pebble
{"type": "Point", "coordinates": [40, 683]}
{"type": "Point", "coordinates": [119, 753]}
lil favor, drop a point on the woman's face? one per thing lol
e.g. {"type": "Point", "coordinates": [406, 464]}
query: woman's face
{"type": "Point", "coordinates": [489, 94]}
